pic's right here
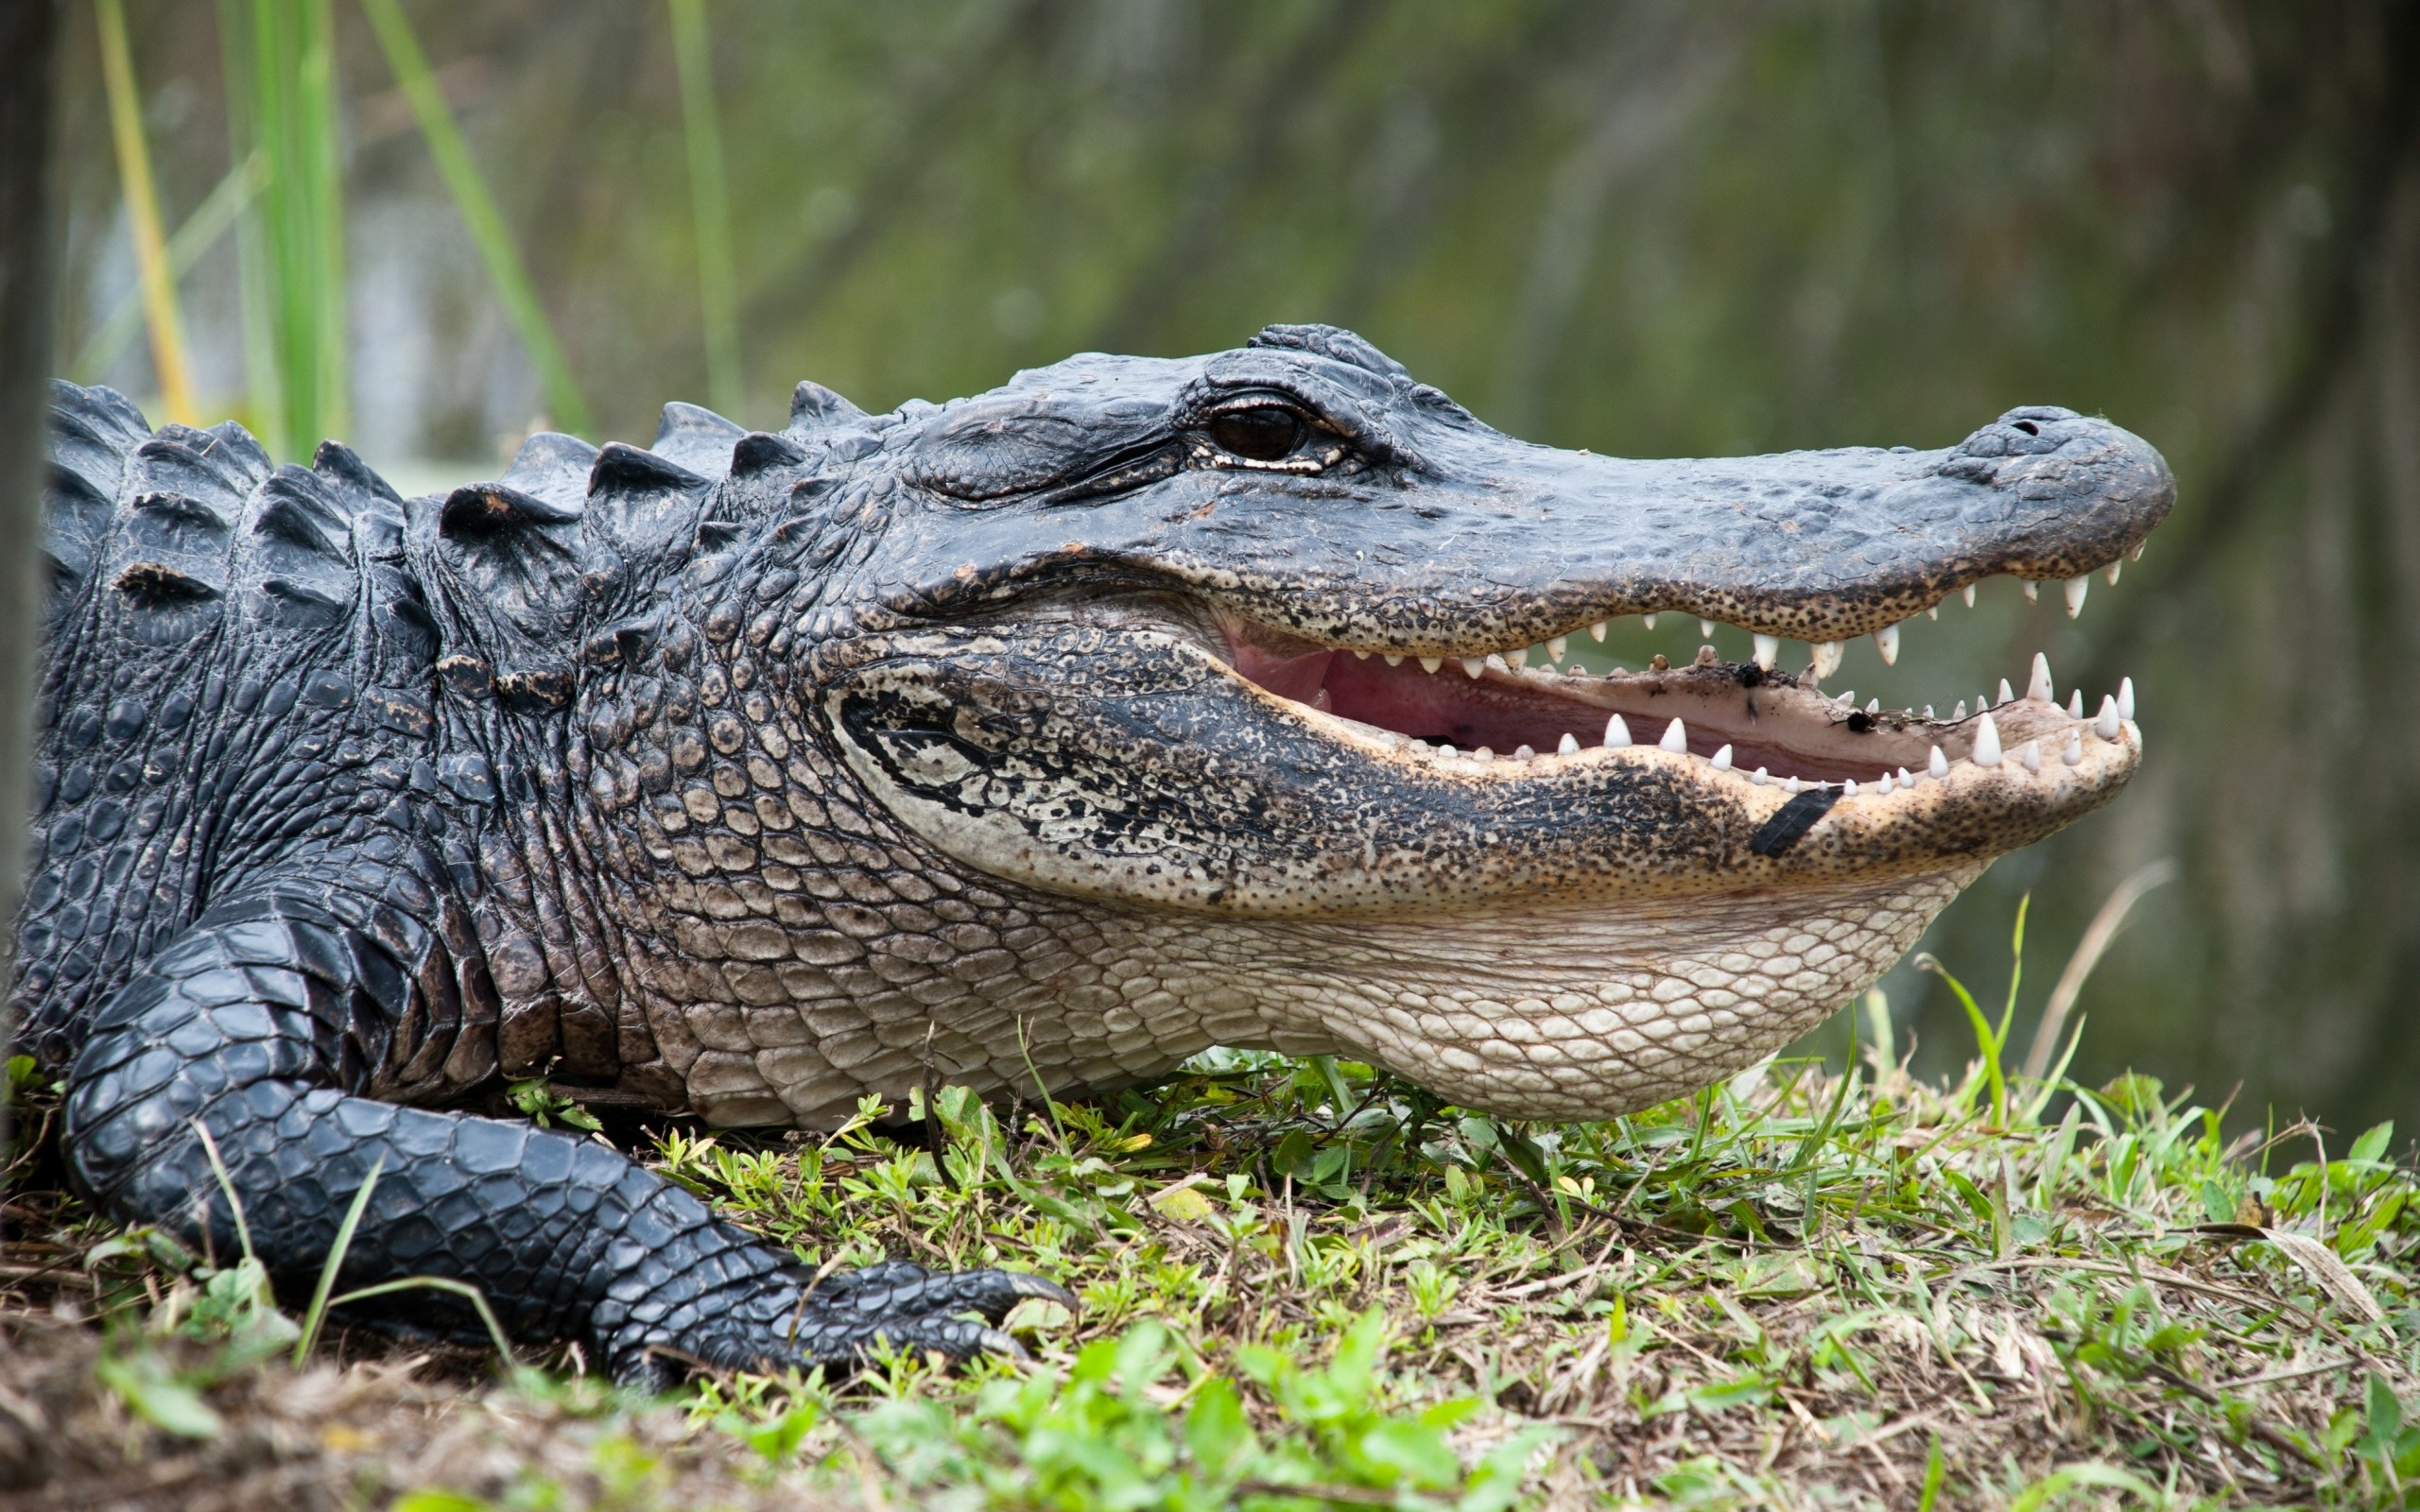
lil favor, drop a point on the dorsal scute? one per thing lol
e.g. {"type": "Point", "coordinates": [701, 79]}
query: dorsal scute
{"type": "Point", "coordinates": [815, 409]}
{"type": "Point", "coordinates": [482, 511]}
{"type": "Point", "coordinates": [645, 506]}
{"type": "Point", "coordinates": [697, 439]}
{"type": "Point", "coordinates": [520, 567]}
{"type": "Point", "coordinates": [298, 550]}
{"type": "Point", "coordinates": [553, 467]}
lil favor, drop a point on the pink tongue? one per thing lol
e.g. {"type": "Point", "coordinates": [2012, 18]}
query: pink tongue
{"type": "Point", "coordinates": [1296, 678]}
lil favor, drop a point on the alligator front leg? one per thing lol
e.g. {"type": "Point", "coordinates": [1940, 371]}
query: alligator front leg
{"type": "Point", "coordinates": [256, 1021]}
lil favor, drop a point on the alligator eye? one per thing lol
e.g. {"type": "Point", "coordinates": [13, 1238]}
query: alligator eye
{"type": "Point", "coordinates": [1265, 433]}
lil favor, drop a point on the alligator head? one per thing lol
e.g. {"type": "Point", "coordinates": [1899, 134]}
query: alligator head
{"type": "Point", "coordinates": [1224, 665]}
{"type": "Point", "coordinates": [1237, 647]}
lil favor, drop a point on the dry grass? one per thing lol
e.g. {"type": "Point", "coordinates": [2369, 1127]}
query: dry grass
{"type": "Point", "coordinates": [1801, 1289]}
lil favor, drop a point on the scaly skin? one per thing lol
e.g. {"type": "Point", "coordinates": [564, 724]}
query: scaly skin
{"type": "Point", "coordinates": [1057, 733]}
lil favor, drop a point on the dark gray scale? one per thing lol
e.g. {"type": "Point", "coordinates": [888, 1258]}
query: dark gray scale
{"type": "Point", "coordinates": [273, 892]}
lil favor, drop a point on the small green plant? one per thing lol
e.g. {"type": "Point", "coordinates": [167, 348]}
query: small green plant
{"type": "Point", "coordinates": [538, 1100]}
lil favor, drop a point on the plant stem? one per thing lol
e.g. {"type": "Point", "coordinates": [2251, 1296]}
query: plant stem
{"type": "Point", "coordinates": [717, 287]}
{"type": "Point", "coordinates": [478, 211]}
{"type": "Point", "coordinates": [142, 216]}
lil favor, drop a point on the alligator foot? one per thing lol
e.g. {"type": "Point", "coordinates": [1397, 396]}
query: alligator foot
{"type": "Point", "coordinates": [842, 1320]}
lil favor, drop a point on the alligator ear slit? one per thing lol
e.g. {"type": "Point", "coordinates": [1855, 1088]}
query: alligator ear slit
{"type": "Point", "coordinates": [486, 508]}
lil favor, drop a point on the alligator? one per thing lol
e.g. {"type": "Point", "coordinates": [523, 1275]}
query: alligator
{"type": "Point", "coordinates": [1032, 743]}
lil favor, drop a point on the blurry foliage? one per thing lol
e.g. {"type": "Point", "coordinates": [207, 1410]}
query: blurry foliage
{"type": "Point", "coordinates": [1644, 228]}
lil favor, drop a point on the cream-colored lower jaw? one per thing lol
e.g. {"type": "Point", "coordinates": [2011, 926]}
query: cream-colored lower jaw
{"type": "Point", "coordinates": [1553, 1010]}
{"type": "Point", "coordinates": [1575, 1012]}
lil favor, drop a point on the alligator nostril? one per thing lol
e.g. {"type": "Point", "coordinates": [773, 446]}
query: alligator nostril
{"type": "Point", "coordinates": [2029, 427]}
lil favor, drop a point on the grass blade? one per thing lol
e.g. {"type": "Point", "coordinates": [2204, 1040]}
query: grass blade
{"type": "Point", "coordinates": [478, 211]}
{"type": "Point", "coordinates": [478, 1300]}
{"type": "Point", "coordinates": [227, 1185]}
{"type": "Point", "coordinates": [717, 287]}
{"type": "Point", "coordinates": [157, 281]}
{"type": "Point", "coordinates": [2096, 936]}
{"type": "Point", "coordinates": [317, 1315]}
{"type": "Point", "coordinates": [211, 220]}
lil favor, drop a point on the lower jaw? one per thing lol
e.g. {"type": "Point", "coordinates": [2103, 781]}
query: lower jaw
{"type": "Point", "coordinates": [1586, 1011]}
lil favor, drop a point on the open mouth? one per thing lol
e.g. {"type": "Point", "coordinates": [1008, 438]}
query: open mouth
{"type": "Point", "coordinates": [1521, 708]}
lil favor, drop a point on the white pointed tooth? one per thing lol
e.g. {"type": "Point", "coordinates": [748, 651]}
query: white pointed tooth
{"type": "Point", "coordinates": [1848, 789]}
{"type": "Point", "coordinates": [2039, 687]}
{"type": "Point", "coordinates": [1874, 706]}
{"type": "Point", "coordinates": [2073, 754]}
{"type": "Point", "coordinates": [2107, 725]}
{"type": "Point", "coordinates": [1556, 645]}
{"type": "Point", "coordinates": [1959, 712]}
{"type": "Point", "coordinates": [1522, 753]}
{"type": "Point", "coordinates": [1648, 620]}
{"type": "Point", "coordinates": [1616, 731]}
{"type": "Point", "coordinates": [1827, 658]}
{"type": "Point", "coordinates": [2075, 703]}
{"type": "Point", "coordinates": [1430, 664]}
{"type": "Point", "coordinates": [1987, 742]}
{"type": "Point", "coordinates": [1597, 631]}
{"type": "Point", "coordinates": [2113, 570]}
{"type": "Point", "coordinates": [1906, 781]}
{"type": "Point", "coordinates": [2006, 694]}
{"type": "Point", "coordinates": [1722, 760]}
{"type": "Point", "coordinates": [1793, 787]}
{"type": "Point", "coordinates": [1705, 629]}
{"type": "Point", "coordinates": [2077, 587]}
{"type": "Point", "coordinates": [2033, 592]}
{"type": "Point", "coordinates": [1886, 641]}
{"type": "Point", "coordinates": [1359, 654]}
{"type": "Point", "coordinates": [1519, 658]}
{"type": "Point", "coordinates": [1676, 738]}
{"type": "Point", "coordinates": [2137, 555]}
{"type": "Point", "coordinates": [1967, 593]}
{"type": "Point", "coordinates": [1885, 785]}
{"type": "Point", "coordinates": [1482, 754]}
{"type": "Point", "coordinates": [2125, 697]}
{"type": "Point", "coordinates": [1846, 700]}
{"type": "Point", "coordinates": [1394, 659]}
{"type": "Point", "coordinates": [1768, 649]}
{"type": "Point", "coordinates": [1444, 748]}
{"type": "Point", "coordinates": [1937, 764]}
{"type": "Point", "coordinates": [1758, 777]}
{"type": "Point", "coordinates": [1927, 711]}
{"type": "Point", "coordinates": [1932, 611]}
{"type": "Point", "coordinates": [2031, 754]}
{"type": "Point", "coordinates": [1474, 664]}
{"type": "Point", "coordinates": [1567, 746]}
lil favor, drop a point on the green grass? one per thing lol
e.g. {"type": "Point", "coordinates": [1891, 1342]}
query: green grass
{"type": "Point", "coordinates": [1305, 1283]}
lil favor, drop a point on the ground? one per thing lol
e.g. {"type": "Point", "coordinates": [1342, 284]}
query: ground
{"type": "Point", "coordinates": [1307, 1285]}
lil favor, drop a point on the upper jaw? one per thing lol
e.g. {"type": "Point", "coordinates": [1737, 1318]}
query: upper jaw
{"type": "Point", "coordinates": [1494, 543]}
{"type": "Point", "coordinates": [1734, 728]}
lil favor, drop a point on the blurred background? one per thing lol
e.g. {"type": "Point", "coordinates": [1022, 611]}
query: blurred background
{"type": "Point", "coordinates": [1643, 228]}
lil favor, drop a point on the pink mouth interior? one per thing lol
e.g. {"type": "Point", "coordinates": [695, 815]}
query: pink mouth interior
{"type": "Point", "coordinates": [1788, 733]}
